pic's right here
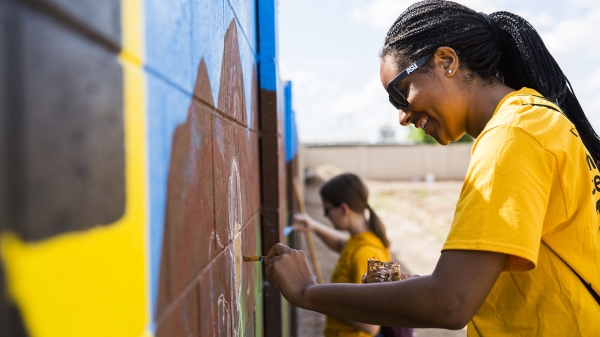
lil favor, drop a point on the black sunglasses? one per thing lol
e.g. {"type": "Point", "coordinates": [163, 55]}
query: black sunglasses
{"type": "Point", "coordinates": [397, 98]}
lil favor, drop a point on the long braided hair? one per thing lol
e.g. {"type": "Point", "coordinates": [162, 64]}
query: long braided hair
{"type": "Point", "coordinates": [502, 45]}
{"type": "Point", "coordinates": [349, 189]}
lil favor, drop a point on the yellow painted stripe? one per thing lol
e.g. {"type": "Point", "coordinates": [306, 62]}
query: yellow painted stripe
{"type": "Point", "coordinates": [132, 25]}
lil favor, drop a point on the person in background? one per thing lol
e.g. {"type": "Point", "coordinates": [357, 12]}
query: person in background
{"type": "Point", "coordinates": [345, 204]}
{"type": "Point", "coordinates": [523, 254]}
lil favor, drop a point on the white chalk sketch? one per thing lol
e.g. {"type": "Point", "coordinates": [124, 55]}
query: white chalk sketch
{"type": "Point", "coordinates": [224, 320]}
{"type": "Point", "coordinates": [234, 199]}
{"type": "Point", "coordinates": [235, 252]}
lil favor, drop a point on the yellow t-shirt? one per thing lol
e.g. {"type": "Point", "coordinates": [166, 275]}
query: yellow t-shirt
{"type": "Point", "coordinates": [532, 191]}
{"type": "Point", "coordinates": [350, 268]}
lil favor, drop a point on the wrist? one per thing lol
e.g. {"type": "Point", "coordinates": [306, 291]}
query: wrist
{"type": "Point", "coordinates": [307, 297]}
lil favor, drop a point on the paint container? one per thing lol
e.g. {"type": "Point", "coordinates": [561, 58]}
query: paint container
{"type": "Point", "coordinates": [378, 271]}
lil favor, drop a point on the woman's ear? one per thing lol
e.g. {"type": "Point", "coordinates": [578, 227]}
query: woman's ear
{"type": "Point", "coordinates": [446, 59]}
{"type": "Point", "coordinates": [345, 208]}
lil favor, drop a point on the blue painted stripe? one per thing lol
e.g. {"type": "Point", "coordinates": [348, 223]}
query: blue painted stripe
{"type": "Point", "coordinates": [267, 45]}
{"type": "Point", "coordinates": [291, 135]}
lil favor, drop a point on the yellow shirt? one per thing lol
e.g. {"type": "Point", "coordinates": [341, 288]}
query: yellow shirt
{"type": "Point", "coordinates": [532, 191]}
{"type": "Point", "coordinates": [350, 268]}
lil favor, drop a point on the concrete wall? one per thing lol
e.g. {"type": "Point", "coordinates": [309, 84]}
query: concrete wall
{"type": "Point", "coordinates": [389, 162]}
{"type": "Point", "coordinates": [134, 137]}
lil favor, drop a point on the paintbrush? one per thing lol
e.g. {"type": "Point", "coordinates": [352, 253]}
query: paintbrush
{"type": "Point", "coordinates": [254, 258]}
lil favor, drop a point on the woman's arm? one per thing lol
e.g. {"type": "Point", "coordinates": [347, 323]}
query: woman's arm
{"type": "Point", "coordinates": [448, 298]}
{"type": "Point", "coordinates": [332, 238]}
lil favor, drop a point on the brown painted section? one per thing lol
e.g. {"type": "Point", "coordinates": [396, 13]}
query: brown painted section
{"type": "Point", "coordinates": [202, 91]}
{"type": "Point", "coordinates": [189, 214]}
{"type": "Point", "coordinates": [208, 304]}
{"type": "Point", "coordinates": [225, 149]}
{"type": "Point", "coordinates": [291, 168]}
{"type": "Point", "coordinates": [272, 312]}
{"type": "Point", "coordinates": [273, 198]}
{"type": "Point", "coordinates": [231, 92]}
{"type": "Point", "coordinates": [189, 217]}
{"type": "Point", "coordinates": [183, 319]}
{"type": "Point", "coordinates": [213, 202]}
{"type": "Point", "coordinates": [188, 243]}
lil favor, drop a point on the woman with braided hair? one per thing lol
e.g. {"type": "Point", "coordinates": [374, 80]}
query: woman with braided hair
{"type": "Point", "coordinates": [523, 255]}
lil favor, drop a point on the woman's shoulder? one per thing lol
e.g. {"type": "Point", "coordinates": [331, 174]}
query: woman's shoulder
{"type": "Point", "coordinates": [528, 112]}
{"type": "Point", "coordinates": [528, 109]}
{"type": "Point", "coordinates": [366, 238]}
{"type": "Point", "coordinates": [367, 243]}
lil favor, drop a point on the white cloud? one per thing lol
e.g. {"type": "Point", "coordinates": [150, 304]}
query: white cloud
{"type": "Point", "coordinates": [367, 99]}
{"type": "Point", "coordinates": [588, 96]}
{"type": "Point", "coordinates": [575, 36]}
{"type": "Point", "coordinates": [309, 81]}
{"type": "Point", "coordinates": [355, 114]}
{"type": "Point", "coordinates": [539, 21]}
{"type": "Point", "coordinates": [381, 14]}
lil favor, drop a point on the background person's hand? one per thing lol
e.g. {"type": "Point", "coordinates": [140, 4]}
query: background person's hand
{"type": "Point", "coordinates": [403, 276]}
{"type": "Point", "coordinates": [289, 271]}
{"type": "Point", "coordinates": [303, 223]}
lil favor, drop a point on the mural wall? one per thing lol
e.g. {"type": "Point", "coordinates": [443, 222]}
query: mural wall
{"type": "Point", "coordinates": [143, 155]}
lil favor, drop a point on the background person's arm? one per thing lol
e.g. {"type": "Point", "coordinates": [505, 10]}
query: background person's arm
{"type": "Point", "coordinates": [331, 237]}
{"type": "Point", "coordinates": [448, 298]}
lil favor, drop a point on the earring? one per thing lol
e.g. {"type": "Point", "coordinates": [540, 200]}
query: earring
{"type": "Point", "coordinates": [449, 71]}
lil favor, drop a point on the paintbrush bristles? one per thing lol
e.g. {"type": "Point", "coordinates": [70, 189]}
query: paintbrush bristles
{"type": "Point", "coordinates": [253, 258]}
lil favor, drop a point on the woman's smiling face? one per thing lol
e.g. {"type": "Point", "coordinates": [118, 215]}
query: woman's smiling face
{"type": "Point", "coordinates": [436, 102]}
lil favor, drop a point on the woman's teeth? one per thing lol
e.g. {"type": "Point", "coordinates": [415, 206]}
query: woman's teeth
{"type": "Point", "coordinates": [423, 123]}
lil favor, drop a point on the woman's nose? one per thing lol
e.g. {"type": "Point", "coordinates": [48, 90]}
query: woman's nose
{"type": "Point", "coordinates": [404, 117]}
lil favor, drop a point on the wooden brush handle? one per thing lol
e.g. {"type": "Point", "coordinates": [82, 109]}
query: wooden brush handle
{"type": "Point", "coordinates": [309, 240]}
{"type": "Point", "coordinates": [313, 257]}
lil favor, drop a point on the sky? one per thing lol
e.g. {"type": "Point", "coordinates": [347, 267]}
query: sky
{"type": "Point", "coordinates": [329, 49]}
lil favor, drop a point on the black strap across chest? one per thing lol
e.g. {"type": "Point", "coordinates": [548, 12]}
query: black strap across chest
{"type": "Point", "coordinates": [585, 284]}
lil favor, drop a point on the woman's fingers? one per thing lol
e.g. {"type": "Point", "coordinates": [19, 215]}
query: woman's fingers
{"type": "Point", "coordinates": [406, 276]}
{"type": "Point", "coordinates": [303, 219]}
{"type": "Point", "coordinates": [301, 227]}
{"type": "Point", "coordinates": [276, 250]}
{"type": "Point", "coordinates": [301, 223]}
{"type": "Point", "coordinates": [300, 217]}
{"type": "Point", "coordinates": [289, 271]}
{"type": "Point", "coordinates": [269, 270]}
{"type": "Point", "coordinates": [375, 278]}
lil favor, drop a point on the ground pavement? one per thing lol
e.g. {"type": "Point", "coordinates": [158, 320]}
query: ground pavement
{"type": "Point", "coordinates": [417, 215]}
